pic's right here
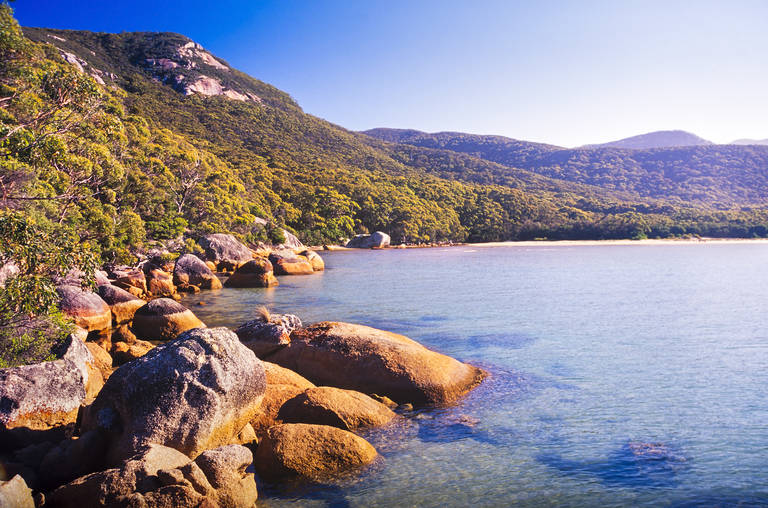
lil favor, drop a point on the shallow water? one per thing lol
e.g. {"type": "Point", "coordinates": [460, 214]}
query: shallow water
{"type": "Point", "coordinates": [621, 375]}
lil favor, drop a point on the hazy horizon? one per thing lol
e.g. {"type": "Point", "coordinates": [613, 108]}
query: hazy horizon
{"type": "Point", "coordinates": [564, 73]}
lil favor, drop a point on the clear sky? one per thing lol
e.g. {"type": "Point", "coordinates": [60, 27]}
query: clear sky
{"type": "Point", "coordinates": [563, 72]}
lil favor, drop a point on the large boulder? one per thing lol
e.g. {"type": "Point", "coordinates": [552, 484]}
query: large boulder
{"type": "Point", "coordinates": [225, 251]}
{"type": "Point", "coordinates": [282, 385]}
{"type": "Point", "coordinates": [345, 409]}
{"type": "Point", "coordinates": [86, 309]}
{"type": "Point", "coordinates": [287, 262]}
{"type": "Point", "coordinates": [368, 360]}
{"type": "Point", "coordinates": [160, 283]}
{"type": "Point", "coordinates": [191, 270]}
{"type": "Point", "coordinates": [377, 240]}
{"type": "Point", "coordinates": [256, 273]}
{"type": "Point", "coordinates": [14, 493]}
{"type": "Point", "coordinates": [192, 394]}
{"type": "Point", "coordinates": [311, 452]}
{"type": "Point", "coordinates": [158, 476]}
{"type": "Point", "coordinates": [268, 333]}
{"type": "Point", "coordinates": [122, 304]}
{"type": "Point", "coordinates": [163, 319]}
{"type": "Point", "coordinates": [40, 402]}
{"type": "Point", "coordinates": [131, 279]}
{"type": "Point", "coordinates": [314, 259]}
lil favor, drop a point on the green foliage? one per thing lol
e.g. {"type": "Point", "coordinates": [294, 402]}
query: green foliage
{"type": "Point", "coordinates": [30, 323]}
{"type": "Point", "coordinates": [138, 162]}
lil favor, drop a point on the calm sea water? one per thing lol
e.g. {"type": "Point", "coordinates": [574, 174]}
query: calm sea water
{"type": "Point", "coordinates": [621, 375]}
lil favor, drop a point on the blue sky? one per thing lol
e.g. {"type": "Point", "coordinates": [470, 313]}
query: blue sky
{"type": "Point", "coordinates": [563, 72]}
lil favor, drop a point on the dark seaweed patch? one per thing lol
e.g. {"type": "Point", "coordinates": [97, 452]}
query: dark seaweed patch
{"type": "Point", "coordinates": [635, 464]}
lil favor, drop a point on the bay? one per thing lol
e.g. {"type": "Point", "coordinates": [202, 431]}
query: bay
{"type": "Point", "coordinates": [621, 375]}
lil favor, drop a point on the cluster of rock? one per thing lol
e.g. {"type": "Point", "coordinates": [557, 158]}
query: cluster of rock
{"type": "Point", "coordinates": [188, 422]}
{"type": "Point", "coordinates": [134, 305]}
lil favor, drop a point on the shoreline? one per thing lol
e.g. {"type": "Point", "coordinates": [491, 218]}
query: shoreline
{"type": "Point", "coordinates": [646, 242]}
{"type": "Point", "coordinates": [564, 243]}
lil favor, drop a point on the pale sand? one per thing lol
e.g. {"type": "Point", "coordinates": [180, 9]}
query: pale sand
{"type": "Point", "coordinates": [578, 243]}
{"type": "Point", "coordinates": [573, 243]}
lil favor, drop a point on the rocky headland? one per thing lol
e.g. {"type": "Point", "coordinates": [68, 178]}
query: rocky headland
{"type": "Point", "coordinates": [146, 406]}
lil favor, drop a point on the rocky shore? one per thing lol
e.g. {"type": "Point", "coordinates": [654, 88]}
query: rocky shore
{"type": "Point", "coordinates": [146, 406]}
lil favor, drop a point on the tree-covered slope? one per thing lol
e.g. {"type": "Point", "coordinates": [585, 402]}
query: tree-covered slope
{"type": "Point", "coordinates": [167, 142]}
{"type": "Point", "coordinates": [710, 175]}
{"type": "Point", "coordinates": [507, 151]}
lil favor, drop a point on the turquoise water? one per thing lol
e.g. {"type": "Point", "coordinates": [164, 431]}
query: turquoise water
{"type": "Point", "coordinates": [620, 375]}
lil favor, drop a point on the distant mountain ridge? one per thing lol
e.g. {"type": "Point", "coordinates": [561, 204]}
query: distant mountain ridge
{"type": "Point", "coordinates": [657, 139]}
{"type": "Point", "coordinates": [725, 175]}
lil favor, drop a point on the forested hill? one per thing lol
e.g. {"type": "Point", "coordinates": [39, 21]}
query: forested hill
{"type": "Point", "coordinates": [507, 151]}
{"type": "Point", "coordinates": [136, 139]}
{"type": "Point", "coordinates": [711, 175]}
{"type": "Point", "coordinates": [657, 139]}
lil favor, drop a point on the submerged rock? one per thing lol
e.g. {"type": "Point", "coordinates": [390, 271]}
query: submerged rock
{"type": "Point", "coordinates": [368, 360]}
{"type": "Point", "coordinates": [86, 309]}
{"type": "Point", "coordinates": [225, 251]}
{"type": "Point", "coordinates": [264, 337]}
{"type": "Point", "coordinates": [377, 240]}
{"type": "Point", "coordinates": [163, 319]}
{"type": "Point", "coordinates": [345, 409]}
{"type": "Point", "coordinates": [192, 394]}
{"type": "Point", "coordinates": [312, 452]}
{"type": "Point", "coordinates": [256, 273]}
{"type": "Point", "coordinates": [191, 270]}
